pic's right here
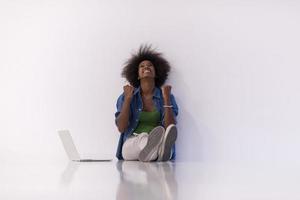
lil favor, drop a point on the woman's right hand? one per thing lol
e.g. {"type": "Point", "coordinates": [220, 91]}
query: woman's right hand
{"type": "Point", "coordinates": [128, 91]}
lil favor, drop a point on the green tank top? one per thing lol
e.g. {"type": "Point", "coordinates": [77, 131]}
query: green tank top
{"type": "Point", "coordinates": [147, 121]}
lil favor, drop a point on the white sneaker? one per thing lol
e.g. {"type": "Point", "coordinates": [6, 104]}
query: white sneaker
{"type": "Point", "coordinates": [164, 152]}
{"type": "Point", "coordinates": [155, 138]}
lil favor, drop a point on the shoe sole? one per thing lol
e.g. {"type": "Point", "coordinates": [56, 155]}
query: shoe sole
{"type": "Point", "coordinates": [168, 143]}
{"type": "Point", "coordinates": [154, 140]}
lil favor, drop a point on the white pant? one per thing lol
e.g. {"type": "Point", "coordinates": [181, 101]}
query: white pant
{"type": "Point", "coordinates": [134, 145]}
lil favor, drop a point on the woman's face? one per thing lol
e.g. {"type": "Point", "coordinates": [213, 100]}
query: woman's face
{"type": "Point", "coordinates": [146, 69]}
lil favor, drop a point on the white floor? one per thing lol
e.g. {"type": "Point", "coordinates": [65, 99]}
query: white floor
{"type": "Point", "coordinates": [137, 180]}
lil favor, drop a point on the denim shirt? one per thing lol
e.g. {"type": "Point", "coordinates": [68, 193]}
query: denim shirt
{"type": "Point", "coordinates": [136, 107]}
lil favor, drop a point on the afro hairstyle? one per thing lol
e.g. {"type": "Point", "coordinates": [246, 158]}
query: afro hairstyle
{"type": "Point", "coordinates": [145, 52]}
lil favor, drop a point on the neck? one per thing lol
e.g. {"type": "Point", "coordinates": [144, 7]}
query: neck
{"type": "Point", "coordinates": [147, 86]}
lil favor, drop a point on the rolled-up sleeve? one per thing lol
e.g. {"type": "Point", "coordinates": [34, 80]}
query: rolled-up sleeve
{"type": "Point", "coordinates": [119, 104]}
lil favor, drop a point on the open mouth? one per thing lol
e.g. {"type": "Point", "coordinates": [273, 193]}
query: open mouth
{"type": "Point", "coordinates": [147, 71]}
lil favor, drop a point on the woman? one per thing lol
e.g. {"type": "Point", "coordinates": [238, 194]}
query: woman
{"type": "Point", "coordinates": [146, 110]}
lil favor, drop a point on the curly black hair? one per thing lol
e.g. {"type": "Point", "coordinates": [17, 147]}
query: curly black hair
{"type": "Point", "coordinates": [145, 52]}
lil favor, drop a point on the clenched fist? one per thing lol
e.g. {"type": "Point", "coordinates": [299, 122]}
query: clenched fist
{"type": "Point", "coordinates": [128, 91]}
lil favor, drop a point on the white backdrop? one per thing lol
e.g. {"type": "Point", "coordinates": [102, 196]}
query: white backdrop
{"type": "Point", "coordinates": [235, 75]}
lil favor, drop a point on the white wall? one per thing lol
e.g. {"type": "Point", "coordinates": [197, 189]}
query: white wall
{"type": "Point", "coordinates": [235, 74]}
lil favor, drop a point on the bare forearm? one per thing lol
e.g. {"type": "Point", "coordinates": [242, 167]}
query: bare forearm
{"type": "Point", "coordinates": [123, 118]}
{"type": "Point", "coordinates": [169, 115]}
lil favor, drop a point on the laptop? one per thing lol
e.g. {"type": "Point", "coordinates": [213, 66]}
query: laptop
{"type": "Point", "coordinates": [71, 150]}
